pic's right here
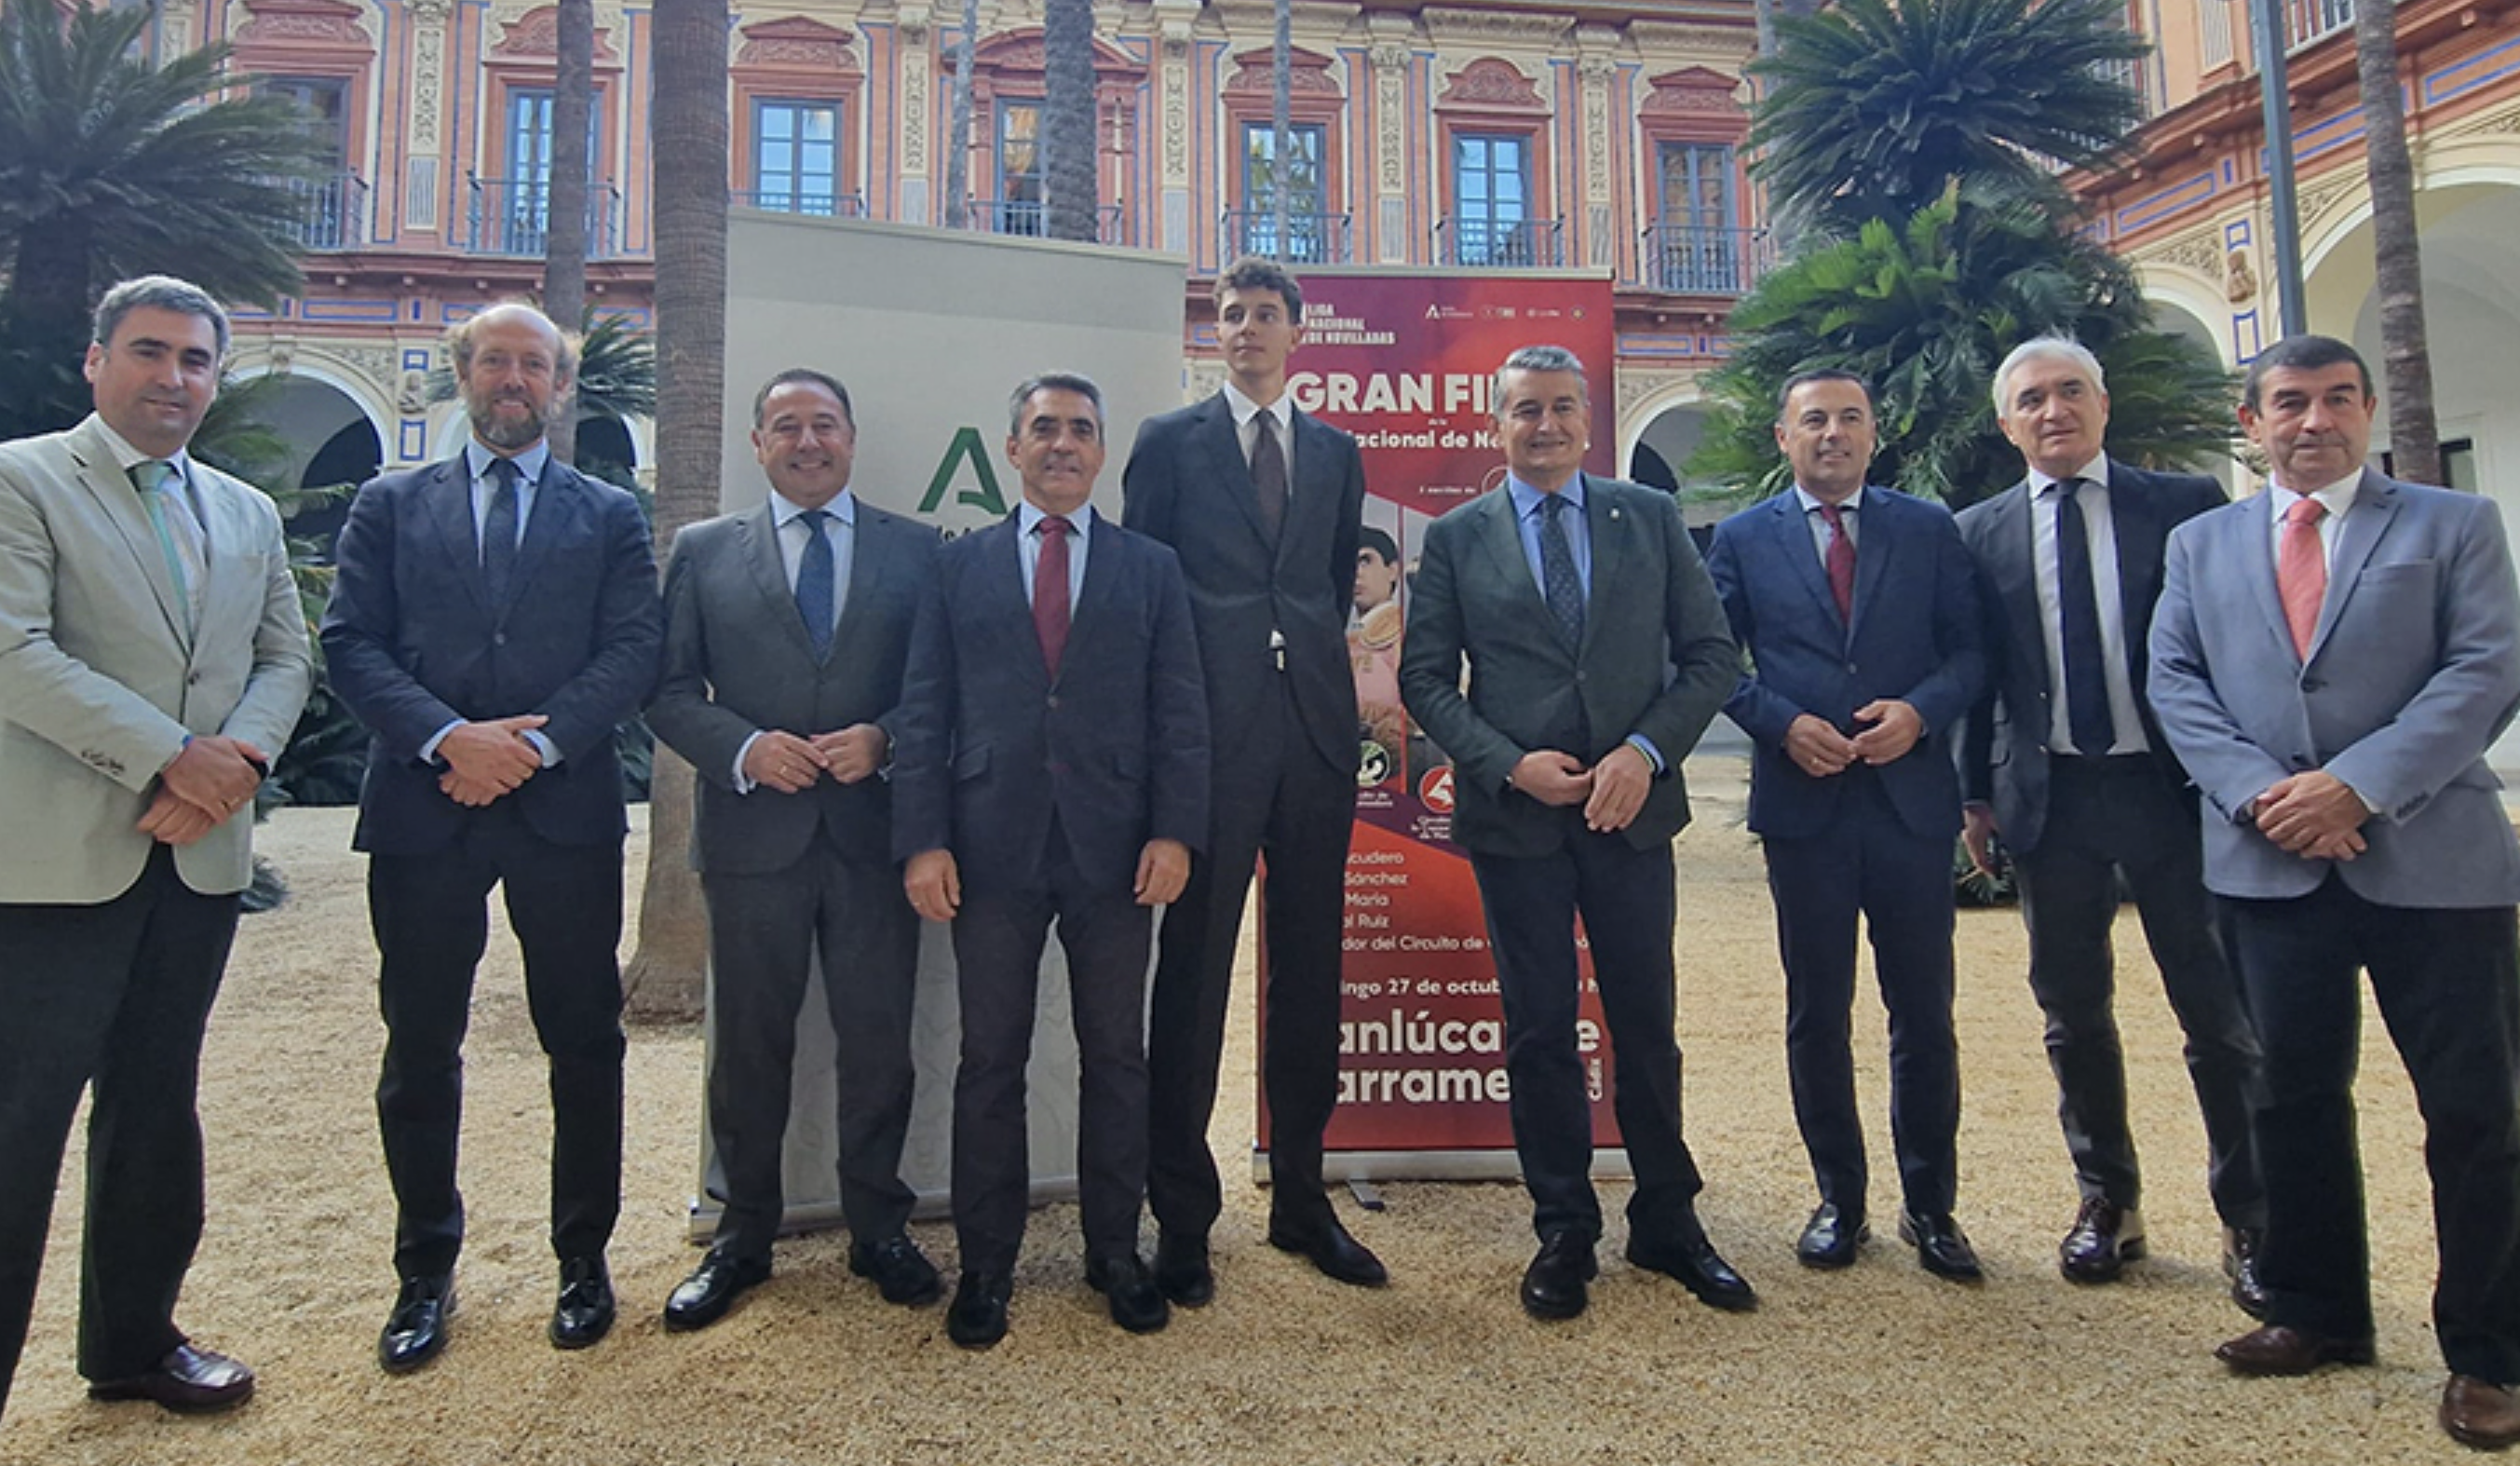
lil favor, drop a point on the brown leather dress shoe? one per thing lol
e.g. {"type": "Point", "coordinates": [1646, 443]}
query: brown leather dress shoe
{"type": "Point", "coordinates": [197, 1382]}
{"type": "Point", "coordinates": [2481, 1415]}
{"type": "Point", "coordinates": [2281, 1349]}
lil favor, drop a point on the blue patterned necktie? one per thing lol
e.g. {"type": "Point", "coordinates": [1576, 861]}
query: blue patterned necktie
{"type": "Point", "coordinates": [815, 581]}
{"type": "Point", "coordinates": [499, 530]}
{"type": "Point", "coordinates": [1558, 582]}
{"type": "Point", "coordinates": [2078, 625]}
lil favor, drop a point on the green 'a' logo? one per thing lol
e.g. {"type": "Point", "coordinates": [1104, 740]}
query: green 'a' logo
{"type": "Point", "coordinates": [967, 446]}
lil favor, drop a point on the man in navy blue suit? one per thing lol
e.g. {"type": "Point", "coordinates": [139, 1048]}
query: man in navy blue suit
{"type": "Point", "coordinates": [494, 618]}
{"type": "Point", "coordinates": [1859, 608]}
{"type": "Point", "coordinates": [1050, 764]}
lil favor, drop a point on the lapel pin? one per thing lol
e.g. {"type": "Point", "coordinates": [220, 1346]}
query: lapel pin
{"type": "Point", "coordinates": [1614, 514]}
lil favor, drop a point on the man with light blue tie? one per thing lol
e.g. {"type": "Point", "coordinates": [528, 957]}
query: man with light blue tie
{"type": "Point", "coordinates": [786, 631]}
{"type": "Point", "coordinates": [494, 618]}
{"type": "Point", "coordinates": [152, 660]}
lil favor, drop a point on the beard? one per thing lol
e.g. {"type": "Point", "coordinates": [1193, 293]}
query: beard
{"type": "Point", "coordinates": [504, 432]}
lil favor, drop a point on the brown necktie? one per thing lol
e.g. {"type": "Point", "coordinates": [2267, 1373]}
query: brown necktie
{"type": "Point", "coordinates": [2301, 570]}
{"type": "Point", "coordinates": [1268, 473]}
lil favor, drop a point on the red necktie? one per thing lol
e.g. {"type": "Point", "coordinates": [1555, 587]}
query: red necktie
{"type": "Point", "coordinates": [1841, 562]}
{"type": "Point", "coordinates": [1049, 610]}
{"type": "Point", "coordinates": [2301, 570]}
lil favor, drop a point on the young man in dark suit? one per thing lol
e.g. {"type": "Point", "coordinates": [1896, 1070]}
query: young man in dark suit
{"type": "Point", "coordinates": [1860, 612]}
{"type": "Point", "coordinates": [1597, 656]}
{"type": "Point", "coordinates": [2062, 755]}
{"type": "Point", "coordinates": [786, 631]}
{"type": "Point", "coordinates": [1263, 504]}
{"type": "Point", "coordinates": [494, 619]}
{"type": "Point", "coordinates": [1050, 764]}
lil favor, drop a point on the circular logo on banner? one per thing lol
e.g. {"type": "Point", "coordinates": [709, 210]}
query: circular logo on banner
{"type": "Point", "coordinates": [1372, 763]}
{"type": "Point", "coordinates": [1436, 789]}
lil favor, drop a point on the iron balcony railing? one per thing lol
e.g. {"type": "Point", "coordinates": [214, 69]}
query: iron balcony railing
{"type": "Point", "coordinates": [1031, 217]}
{"type": "Point", "coordinates": [789, 200]}
{"type": "Point", "coordinates": [1311, 238]}
{"type": "Point", "coordinates": [1500, 244]}
{"type": "Point", "coordinates": [511, 216]}
{"type": "Point", "coordinates": [1705, 260]}
{"type": "Point", "coordinates": [333, 211]}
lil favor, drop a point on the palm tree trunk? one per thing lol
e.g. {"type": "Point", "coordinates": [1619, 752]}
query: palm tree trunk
{"type": "Point", "coordinates": [1281, 71]}
{"type": "Point", "coordinates": [1068, 119]}
{"type": "Point", "coordinates": [958, 141]}
{"type": "Point", "coordinates": [565, 205]}
{"type": "Point", "coordinates": [668, 975]}
{"type": "Point", "coordinates": [2406, 350]}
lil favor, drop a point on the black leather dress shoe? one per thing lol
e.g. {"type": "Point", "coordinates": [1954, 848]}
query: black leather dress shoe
{"type": "Point", "coordinates": [1831, 1236]}
{"type": "Point", "coordinates": [188, 1381]}
{"type": "Point", "coordinates": [584, 1314]}
{"type": "Point", "coordinates": [1552, 1287]}
{"type": "Point", "coordinates": [1941, 1248]}
{"type": "Point", "coordinates": [978, 1317]}
{"type": "Point", "coordinates": [2105, 1237]}
{"type": "Point", "coordinates": [1136, 1303]}
{"type": "Point", "coordinates": [1181, 1270]}
{"type": "Point", "coordinates": [1329, 1248]}
{"type": "Point", "coordinates": [703, 1298]}
{"type": "Point", "coordinates": [1693, 1259]}
{"type": "Point", "coordinates": [2241, 1264]}
{"type": "Point", "coordinates": [2276, 1350]}
{"type": "Point", "coordinates": [902, 1273]}
{"type": "Point", "coordinates": [415, 1332]}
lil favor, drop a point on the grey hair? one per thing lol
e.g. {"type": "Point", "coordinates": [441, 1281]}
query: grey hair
{"type": "Point", "coordinates": [1543, 358]}
{"type": "Point", "coordinates": [2044, 348]}
{"type": "Point", "coordinates": [158, 292]}
{"type": "Point", "coordinates": [1066, 382]}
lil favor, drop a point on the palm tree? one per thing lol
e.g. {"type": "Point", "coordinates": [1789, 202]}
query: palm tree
{"type": "Point", "coordinates": [1872, 106]}
{"type": "Point", "coordinates": [668, 974]}
{"type": "Point", "coordinates": [1067, 168]}
{"type": "Point", "coordinates": [110, 168]}
{"type": "Point", "coordinates": [958, 141]}
{"type": "Point", "coordinates": [2405, 346]}
{"type": "Point", "coordinates": [1281, 75]}
{"type": "Point", "coordinates": [565, 201]}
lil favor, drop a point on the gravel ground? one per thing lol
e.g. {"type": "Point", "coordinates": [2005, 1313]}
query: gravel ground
{"type": "Point", "coordinates": [1880, 1363]}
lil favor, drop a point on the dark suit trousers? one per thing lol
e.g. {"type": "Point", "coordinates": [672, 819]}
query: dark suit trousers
{"type": "Point", "coordinates": [998, 937]}
{"type": "Point", "coordinates": [2105, 815]}
{"type": "Point", "coordinates": [431, 915]}
{"type": "Point", "coordinates": [1900, 884]}
{"type": "Point", "coordinates": [115, 995]}
{"type": "Point", "coordinates": [2448, 982]}
{"type": "Point", "coordinates": [763, 933]}
{"type": "Point", "coordinates": [1626, 899]}
{"type": "Point", "coordinates": [1277, 796]}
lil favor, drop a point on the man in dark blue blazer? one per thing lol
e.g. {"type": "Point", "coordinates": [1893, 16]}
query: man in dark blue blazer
{"type": "Point", "coordinates": [2063, 757]}
{"type": "Point", "coordinates": [1597, 656]}
{"type": "Point", "coordinates": [1860, 612]}
{"type": "Point", "coordinates": [494, 618]}
{"type": "Point", "coordinates": [1050, 762]}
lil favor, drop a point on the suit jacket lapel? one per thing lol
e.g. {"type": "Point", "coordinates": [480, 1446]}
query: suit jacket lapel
{"type": "Point", "coordinates": [560, 503]}
{"type": "Point", "coordinates": [2134, 520]}
{"type": "Point", "coordinates": [757, 538]}
{"type": "Point", "coordinates": [2375, 504]}
{"type": "Point", "coordinates": [1604, 524]}
{"type": "Point", "coordinates": [2015, 568]}
{"type": "Point", "coordinates": [449, 493]}
{"type": "Point", "coordinates": [1876, 539]}
{"type": "Point", "coordinates": [1508, 569]}
{"type": "Point", "coordinates": [1226, 464]}
{"type": "Point", "coordinates": [2256, 553]}
{"type": "Point", "coordinates": [1093, 600]}
{"type": "Point", "coordinates": [119, 502]}
{"type": "Point", "coordinates": [1793, 529]}
{"type": "Point", "coordinates": [1003, 582]}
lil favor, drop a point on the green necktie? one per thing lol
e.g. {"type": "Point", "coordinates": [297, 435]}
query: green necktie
{"type": "Point", "coordinates": [154, 479]}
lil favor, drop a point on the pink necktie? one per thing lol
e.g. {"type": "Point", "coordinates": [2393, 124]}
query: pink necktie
{"type": "Point", "coordinates": [1840, 563]}
{"type": "Point", "coordinates": [2301, 572]}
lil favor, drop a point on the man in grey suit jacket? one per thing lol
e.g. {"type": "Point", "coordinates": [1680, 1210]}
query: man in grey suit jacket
{"type": "Point", "coordinates": [787, 629]}
{"type": "Point", "coordinates": [2063, 755]}
{"type": "Point", "coordinates": [2332, 660]}
{"type": "Point", "coordinates": [152, 661]}
{"type": "Point", "coordinates": [1597, 655]}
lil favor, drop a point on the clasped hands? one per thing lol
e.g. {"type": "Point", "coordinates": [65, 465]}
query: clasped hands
{"type": "Point", "coordinates": [790, 763]}
{"type": "Point", "coordinates": [487, 761]}
{"type": "Point", "coordinates": [1611, 791]}
{"type": "Point", "coordinates": [1820, 751]}
{"type": "Point", "coordinates": [211, 779]}
{"type": "Point", "coordinates": [2315, 815]}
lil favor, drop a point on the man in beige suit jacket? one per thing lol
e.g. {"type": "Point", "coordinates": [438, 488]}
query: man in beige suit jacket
{"type": "Point", "coordinates": [152, 660]}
